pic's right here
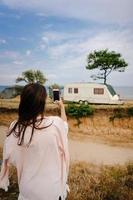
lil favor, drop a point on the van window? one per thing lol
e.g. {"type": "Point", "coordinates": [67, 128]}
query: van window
{"type": "Point", "coordinates": [99, 91]}
{"type": "Point", "coordinates": [75, 90]}
{"type": "Point", "coordinates": [69, 90]}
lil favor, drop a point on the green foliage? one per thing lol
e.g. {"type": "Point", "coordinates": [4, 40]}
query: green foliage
{"type": "Point", "coordinates": [39, 77]}
{"type": "Point", "coordinates": [118, 113]}
{"type": "Point", "coordinates": [32, 76]}
{"type": "Point", "coordinates": [79, 111]}
{"type": "Point", "coordinates": [55, 86]}
{"type": "Point", "coordinates": [106, 62]}
{"type": "Point", "coordinates": [130, 111]}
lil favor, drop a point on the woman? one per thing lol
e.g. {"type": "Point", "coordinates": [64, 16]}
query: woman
{"type": "Point", "coordinates": [37, 146]}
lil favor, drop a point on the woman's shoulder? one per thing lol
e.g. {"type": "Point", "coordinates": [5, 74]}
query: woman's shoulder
{"type": "Point", "coordinates": [59, 123]}
{"type": "Point", "coordinates": [9, 136]}
{"type": "Point", "coordinates": [56, 119]}
{"type": "Point", "coordinates": [12, 124]}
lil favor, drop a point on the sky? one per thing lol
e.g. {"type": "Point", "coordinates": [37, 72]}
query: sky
{"type": "Point", "coordinates": [55, 36]}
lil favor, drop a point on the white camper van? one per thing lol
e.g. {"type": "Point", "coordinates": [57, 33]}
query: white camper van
{"type": "Point", "coordinates": [91, 93]}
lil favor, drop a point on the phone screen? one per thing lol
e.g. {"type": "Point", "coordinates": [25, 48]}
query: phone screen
{"type": "Point", "coordinates": [56, 96]}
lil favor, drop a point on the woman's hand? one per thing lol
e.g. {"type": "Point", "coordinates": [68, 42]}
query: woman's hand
{"type": "Point", "coordinates": [60, 103]}
{"type": "Point", "coordinates": [62, 107]}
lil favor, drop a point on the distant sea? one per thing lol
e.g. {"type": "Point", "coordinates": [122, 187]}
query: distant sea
{"type": "Point", "coordinates": [2, 87]}
{"type": "Point", "coordinates": [125, 92]}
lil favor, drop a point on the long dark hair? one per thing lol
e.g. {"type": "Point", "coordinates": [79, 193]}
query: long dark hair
{"type": "Point", "coordinates": [32, 104]}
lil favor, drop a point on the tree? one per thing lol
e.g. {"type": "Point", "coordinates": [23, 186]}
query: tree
{"type": "Point", "coordinates": [106, 61]}
{"type": "Point", "coordinates": [32, 76]}
{"type": "Point", "coordinates": [55, 86]}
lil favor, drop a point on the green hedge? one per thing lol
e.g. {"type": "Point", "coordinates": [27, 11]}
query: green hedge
{"type": "Point", "coordinates": [122, 113]}
{"type": "Point", "coordinates": [79, 111]}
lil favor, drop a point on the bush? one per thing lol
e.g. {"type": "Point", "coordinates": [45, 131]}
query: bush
{"type": "Point", "coordinates": [130, 112]}
{"type": "Point", "coordinates": [79, 111]}
{"type": "Point", "coordinates": [122, 113]}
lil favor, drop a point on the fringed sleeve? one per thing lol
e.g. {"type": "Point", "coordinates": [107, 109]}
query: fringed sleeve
{"type": "Point", "coordinates": [4, 180]}
{"type": "Point", "coordinates": [7, 152]}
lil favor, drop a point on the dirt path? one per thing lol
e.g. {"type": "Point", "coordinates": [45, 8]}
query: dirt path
{"type": "Point", "coordinates": [92, 152]}
{"type": "Point", "coordinates": [98, 153]}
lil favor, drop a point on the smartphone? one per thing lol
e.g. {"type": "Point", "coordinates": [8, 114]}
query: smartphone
{"type": "Point", "coordinates": [56, 94]}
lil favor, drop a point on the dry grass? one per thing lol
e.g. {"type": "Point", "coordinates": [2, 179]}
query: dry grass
{"type": "Point", "coordinates": [10, 103]}
{"type": "Point", "coordinates": [88, 182]}
{"type": "Point", "coordinates": [14, 102]}
{"type": "Point", "coordinates": [7, 118]}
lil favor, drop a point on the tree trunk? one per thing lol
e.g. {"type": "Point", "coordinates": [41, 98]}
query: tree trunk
{"type": "Point", "coordinates": [105, 77]}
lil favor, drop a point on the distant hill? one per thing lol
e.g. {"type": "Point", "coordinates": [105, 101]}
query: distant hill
{"type": "Point", "coordinates": [11, 92]}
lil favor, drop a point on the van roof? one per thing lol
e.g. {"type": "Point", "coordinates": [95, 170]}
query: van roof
{"type": "Point", "coordinates": [84, 83]}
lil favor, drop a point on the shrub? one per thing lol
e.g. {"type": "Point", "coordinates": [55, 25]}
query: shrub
{"type": "Point", "coordinates": [79, 111]}
{"type": "Point", "coordinates": [130, 112]}
{"type": "Point", "coordinates": [122, 113]}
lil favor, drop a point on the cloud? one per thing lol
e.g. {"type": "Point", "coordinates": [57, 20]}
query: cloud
{"type": "Point", "coordinates": [17, 62]}
{"type": "Point", "coordinates": [11, 79]}
{"type": "Point", "coordinates": [41, 14]}
{"type": "Point", "coordinates": [51, 76]}
{"type": "Point", "coordinates": [56, 36]}
{"type": "Point", "coordinates": [119, 11]}
{"type": "Point", "coordinates": [43, 44]}
{"type": "Point", "coordinates": [7, 74]}
{"type": "Point", "coordinates": [10, 54]}
{"type": "Point", "coordinates": [3, 41]}
{"type": "Point", "coordinates": [118, 40]}
{"type": "Point", "coordinates": [45, 39]}
{"type": "Point", "coordinates": [28, 52]}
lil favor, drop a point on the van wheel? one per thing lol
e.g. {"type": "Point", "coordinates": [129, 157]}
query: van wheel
{"type": "Point", "coordinates": [86, 102]}
{"type": "Point", "coordinates": [80, 102]}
